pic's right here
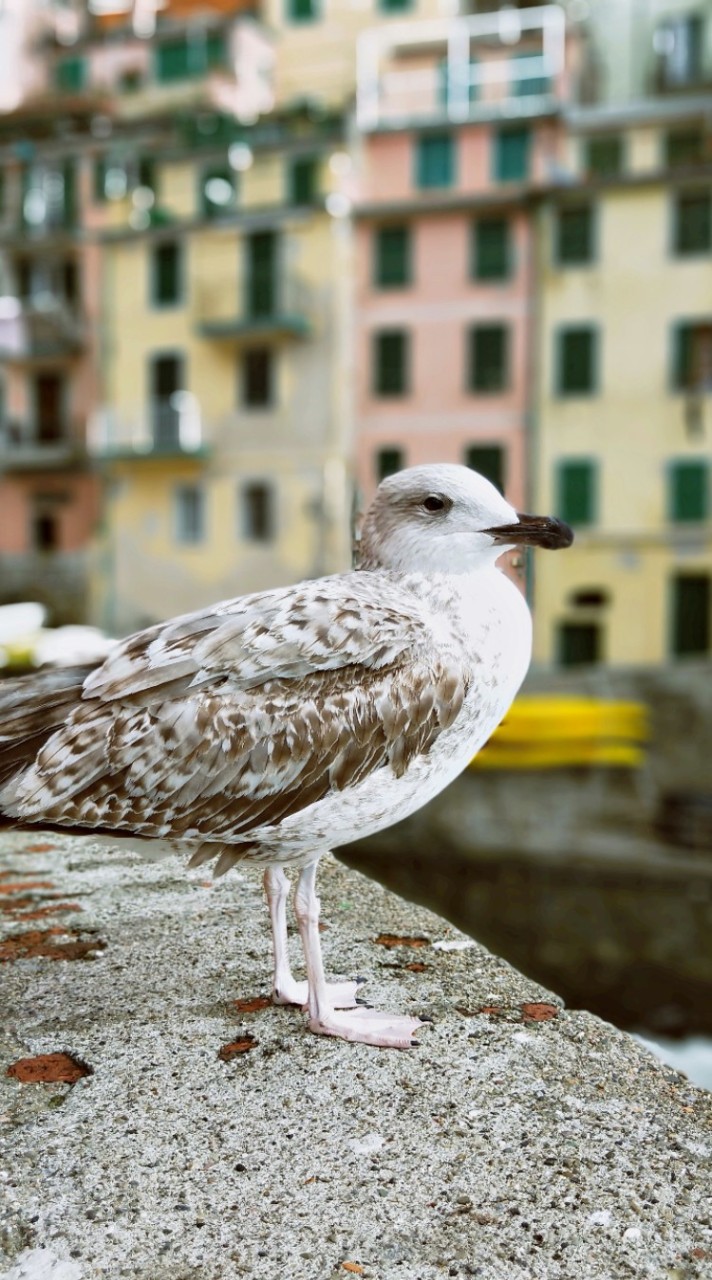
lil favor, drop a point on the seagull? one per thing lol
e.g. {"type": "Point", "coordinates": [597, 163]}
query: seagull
{"type": "Point", "coordinates": [275, 727]}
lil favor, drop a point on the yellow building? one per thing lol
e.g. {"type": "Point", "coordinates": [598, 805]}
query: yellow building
{"type": "Point", "coordinates": [623, 423]}
{"type": "Point", "coordinates": [226, 426]}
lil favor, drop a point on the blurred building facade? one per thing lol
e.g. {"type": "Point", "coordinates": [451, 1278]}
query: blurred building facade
{"type": "Point", "coordinates": [458, 135]}
{"type": "Point", "coordinates": [256, 257]}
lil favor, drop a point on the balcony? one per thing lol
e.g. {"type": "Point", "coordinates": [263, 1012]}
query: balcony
{"type": "Point", "coordinates": [29, 446]}
{"type": "Point", "coordinates": [43, 328]}
{"type": "Point", "coordinates": [502, 65]}
{"type": "Point", "coordinates": [165, 430]}
{"type": "Point", "coordinates": [273, 308]}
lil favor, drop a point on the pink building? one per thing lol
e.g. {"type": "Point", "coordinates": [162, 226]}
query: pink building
{"type": "Point", "coordinates": [461, 128]}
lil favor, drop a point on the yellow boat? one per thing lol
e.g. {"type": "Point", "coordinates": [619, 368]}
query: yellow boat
{"type": "Point", "coordinates": [555, 731]}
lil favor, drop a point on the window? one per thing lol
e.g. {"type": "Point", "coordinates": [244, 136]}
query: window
{"type": "Point", "coordinates": [692, 355]}
{"type": "Point", "coordinates": [511, 154]}
{"type": "Point", "coordinates": [166, 274]}
{"type": "Point", "coordinates": [303, 180]}
{"type": "Point", "coordinates": [688, 491]}
{"type": "Point", "coordinates": [262, 258]}
{"type": "Point", "coordinates": [488, 358]}
{"type": "Point", "coordinates": [527, 78]}
{"type": "Point", "coordinates": [258, 377]}
{"type": "Point", "coordinates": [166, 377]}
{"type": "Point", "coordinates": [679, 42]}
{"type": "Point", "coordinates": [489, 460]}
{"type": "Point", "coordinates": [578, 644]}
{"type": "Point", "coordinates": [692, 223]}
{"type": "Point", "coordinates": [49, 397]}
{"type": "Point", "coordinates": [189, 514]}
{"type": "Point", "coordinates": [435, 161]}
{"type": "Point", "coordinates": [302, 10]}
{"type": "Point", "coordinates": [146, 173]}
{"type": "Point", "coordinates": [577, 359]}
{"type": "Point", "coordinates": [257, 512]}
{"type": "Point", "coordinates": [574, 235]}
{"type": "Point", "coordinates": [388, 461]}
{"type": "Point", "coordinates": [491, 249]}
{"type": "Point", "coordinates": [576, 491]}
{"type": "Point", "coordinates": [189, 55]}
{"type": "Point", "coordinates": [44, 530]}
{"type": "Point", "coordinates": [390, 362]}
{"type": "Point", "coordinates": [392, 257]}
{"type": "Point", "coordinates": [691, 607]}
{"type": "Point", "coordinates": [684, 147]}
{"type": "Point", "coordinates": [71, 74]}
{"type": "Point", "coordinates": [217, 191]}
{"type": "Point", "coordinates": [603, 157]}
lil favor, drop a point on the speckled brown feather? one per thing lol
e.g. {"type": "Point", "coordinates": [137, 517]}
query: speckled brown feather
{"type": "Point", "coordinates": [215, 726]}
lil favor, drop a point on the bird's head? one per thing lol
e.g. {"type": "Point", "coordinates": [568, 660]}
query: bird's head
{"type": "Point", "coordinates": [447, 519]}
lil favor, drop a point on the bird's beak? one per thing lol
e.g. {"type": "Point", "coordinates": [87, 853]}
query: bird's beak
{"type": "Point", "coordinates": [534, 531]}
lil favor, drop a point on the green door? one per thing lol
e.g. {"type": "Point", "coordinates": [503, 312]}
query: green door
{"type": "Point", "coordinates": [262, 260]}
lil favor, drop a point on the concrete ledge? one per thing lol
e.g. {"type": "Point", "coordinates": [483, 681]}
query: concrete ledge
{"type": "Point", "coordinates": [520, 1141]}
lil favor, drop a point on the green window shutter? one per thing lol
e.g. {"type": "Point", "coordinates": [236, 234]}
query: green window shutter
{"type": "Point", "coordinates": [576, 502]}
{"type": "Point", "coordinates": [100, 167]}
{"type": "Point", "coordinates": [692, 355]}
{"type": "Point", "coordinates": [574, 235]}
{"type": "Point", "coordinates": [577, 361]}
{"type": "Point", "coordinates": [166, 274]}
{"type": "Point", "coordinates": [682, 357]}
{"type": "Point", "coordinates": [258, 377]}
{"type": "Point", "coordinates": [172, 60]}
{"type": "Point", "coordinates": [531, 84]}
{"type": "Point", "coordinates": [263, 255]}
{"type": "Point", "coordinates": [69, 183]}
{"type": "Point", "coordinates": [688, 494]}
{"type": "Point", "coordinates": [189, 514]}
{"type": "Point", "coordinates": [258, 512]}
{"type": "Point", "coordinates": [693, 223]}
{"type": "Point", "coordinates": [491, 259]}
{"type": "Point", "coordinates": [71, 74]}
{"type": "Point", "coordinates": [684, 147]}
{"type": "Point", "coordinates": [488, 358]}
{"type": "Point", "coordinates": [392, 257]}
{"type": "Point", "coordinates": [215, 49]}
{"type": "Point", "coordinates": [146, 173]}
{"type": "Point", "coordinates": [489, 460]}
{"type": "Point", "coordinates": [512, 146]}
{"type": "Point", "coordinates": [395, 6]}
{"type": "Point", "coordinates": [217, 191]}
{"type": "Point", "coordinates": [435, 161]}
{"type": "Point", "coordinates": [388, 461]}
{"type": "Point", "coordinates": [603, 157]}
{"type": "Point", "coordinates": [3, 192]}
{"type": "Point", "coordinates": [302, 10]}
{"type": "Point", "coordinates": [303, 180]}
{"type": "Point", "coordinates": [390, 363]}
{"type": "Point", "coordinates": [691, 609]}
{"type": "Point", "coordinates": [578, 644]}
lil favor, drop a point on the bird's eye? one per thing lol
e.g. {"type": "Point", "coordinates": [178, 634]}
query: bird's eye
{"type": "Point", "coordinates": [434, 502]}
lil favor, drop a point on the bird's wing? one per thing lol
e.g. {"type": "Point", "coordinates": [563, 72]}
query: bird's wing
{"type": "Point", "coordinates": [238, 717]}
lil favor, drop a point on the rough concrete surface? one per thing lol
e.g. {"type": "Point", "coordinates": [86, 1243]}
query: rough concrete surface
{"type": "Point", "coordinates": [519, 1141]}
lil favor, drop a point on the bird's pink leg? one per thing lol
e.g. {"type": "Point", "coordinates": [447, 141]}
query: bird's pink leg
{"type": "Point", "coordinates": [285, 988]}
{"type": "Point", "coordinates": [391, 1031]}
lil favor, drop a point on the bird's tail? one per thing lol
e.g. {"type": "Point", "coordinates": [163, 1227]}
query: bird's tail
{"type": "Point", "coordinates": [31, 708]}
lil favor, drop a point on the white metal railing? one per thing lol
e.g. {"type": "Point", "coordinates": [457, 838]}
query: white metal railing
{"type": "Point", "coordinates": [471, 65]}
{"type": "Point", "coordinates": [161, 427]}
